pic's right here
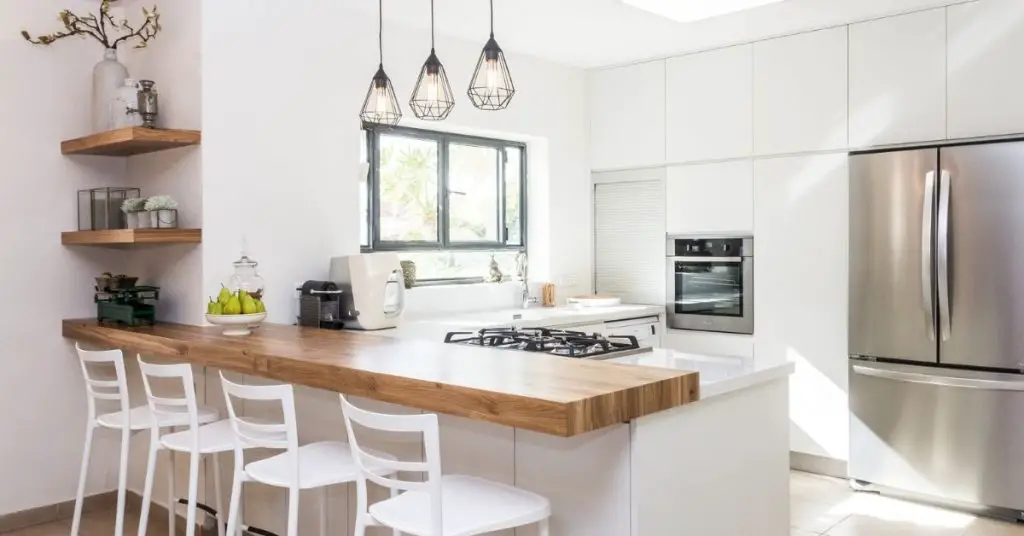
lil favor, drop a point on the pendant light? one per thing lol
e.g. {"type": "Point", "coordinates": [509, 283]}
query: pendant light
{"type": "Point", "coordinates": [432, 98]}
{"type": "Point", "coordinates": [491, 87]}
{"type": "Point", "coordinates": [381, 106]}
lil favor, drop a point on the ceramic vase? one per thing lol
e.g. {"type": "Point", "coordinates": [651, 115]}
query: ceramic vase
{"type": "Point", "coordinates": [146, 220]}
{"type": "Point", "coordinates": [132, 219]}
{"type": "Point", "coordinates": [166, 219]}
{"type": "Point", "coordinates": [108, 77]}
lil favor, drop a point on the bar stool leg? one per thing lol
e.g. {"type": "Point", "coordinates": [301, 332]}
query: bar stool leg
{"type": "Point", "coordinates": [193, 493]}
{"type": "Point", "coordinates": [323, 511]}
{"type": "Point", "coordinates": [218, 495]}
{"type": "Point", "coordinates": [147, 489]}
{"type": "Point", "coordinates": [293, 510]}
{"type": "Point", "coordinates": [234, 527]}
{"type": "Point", "coordinates": [543, 526]}
{"type": "Point", "coordinates": [122, 481]}
{"type": "Point", "coordinates": [172, 500]}
{"type": "Point", "coordinates": [82, 475]}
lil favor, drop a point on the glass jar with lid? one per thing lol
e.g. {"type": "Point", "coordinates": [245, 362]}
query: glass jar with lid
{"type": "Point", "coordinates": [245, 277]}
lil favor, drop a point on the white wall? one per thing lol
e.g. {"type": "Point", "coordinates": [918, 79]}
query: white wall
{"type": "Point", "coordinates": [282, 88]}
{"type": "Point", "coordinates": [780, 170]}
{"type": "Point", "coordinates": [44, 98]}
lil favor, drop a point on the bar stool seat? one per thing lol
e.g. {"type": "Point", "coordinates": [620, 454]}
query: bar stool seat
{"type": "Point", "coordinates": [141, 418]}
{"type": "Point", "coordinates": [470, 505]}
{"type": "Point", "coordinates": [213, 438]}
{"type": "Point", "coordinates": [320, 464]}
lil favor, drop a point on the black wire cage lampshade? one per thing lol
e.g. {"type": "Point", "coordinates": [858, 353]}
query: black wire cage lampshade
{"type": "Point", "coordinates": [432, 98]}
{"type": "Point", "coordinates": [381, 104]}
{"type": "Point", "coordinates": [491, 87]}
{"type": "Point", "coordinates": [380, 107]}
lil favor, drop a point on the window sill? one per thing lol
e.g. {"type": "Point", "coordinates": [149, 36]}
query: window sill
{"type": "Point", "coordinates": [441, 285]}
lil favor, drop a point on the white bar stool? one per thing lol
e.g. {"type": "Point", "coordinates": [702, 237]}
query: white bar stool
{"type": "Point", "coordinates": [451, 505]}
{"type": "Point", "coordinates": [101, 390]}
{"type": "Point", "coordinates": [212, 439]}
{"type": "Point", "coordinates": [316, 465]}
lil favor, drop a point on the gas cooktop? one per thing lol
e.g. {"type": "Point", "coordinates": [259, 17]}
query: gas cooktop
{"type": "Point", "coordinates": [575, 344]}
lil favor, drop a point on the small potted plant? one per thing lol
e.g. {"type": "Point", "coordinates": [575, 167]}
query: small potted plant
{"type": "Point", "coordinates": [131, 208]}
{"type": "Point", "coordinates": [163, 212]}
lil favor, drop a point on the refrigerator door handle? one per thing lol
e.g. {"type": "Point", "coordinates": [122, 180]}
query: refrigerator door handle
{"type": "Point", "coordinates": [943, 255]}
{"type": "Point", "coordinates": [940, 380]}
{"type": "Point", "coordinates": [927, 240]}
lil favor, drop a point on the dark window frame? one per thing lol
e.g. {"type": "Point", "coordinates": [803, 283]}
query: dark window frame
{"type": "Point", "coordinates": [444, 242]}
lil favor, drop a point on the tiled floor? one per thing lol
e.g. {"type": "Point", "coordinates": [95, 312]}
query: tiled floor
{"type": "Point", "coordinates": [826, 506]}
{"type": "Point", "coordinates": [820, 506]}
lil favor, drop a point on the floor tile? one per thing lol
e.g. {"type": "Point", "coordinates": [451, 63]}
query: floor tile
{"type": "Point", "coordinates": [56, 528]}
{"type": "Point", "coordinates": [862, 525]}
{"type": "Point", "coordinates": [814, 517]}
{"type": "Point", "coordinates": [818, 488]}
{"type": "Point", "coordinates": [102, 524]}
{"type": "Point", "coordinates": [988, 527]}
{"type": "Point", "coordinates": [801, 532]}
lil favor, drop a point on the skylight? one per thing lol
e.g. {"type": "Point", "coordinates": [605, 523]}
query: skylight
{"type": "Point", "coordinates": [694, 10]}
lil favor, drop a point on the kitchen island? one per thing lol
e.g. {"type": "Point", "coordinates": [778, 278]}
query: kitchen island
{"type": "Point", "coordinates": [620, 449]}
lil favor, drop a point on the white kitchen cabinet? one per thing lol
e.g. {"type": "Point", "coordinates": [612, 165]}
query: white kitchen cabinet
{"type": "Point", "coordinates": [709, 105]}
{"type": "Point", "coordinates": [800, 93]}
{"type": "Point", "coordinates": [627, 116]}
{"type": "Point", "coordinates": [646, 330]}
{"type": "Point", "coordinates": [710, 198]}
{"type": "Point", "coordinates": [898, 79]}
{"type": "Point", "coordinates": [984, 68]}
{"type": "Point", "coordinates": [801, 221]}
{"type": "Point", "coordinates": [629, 238]}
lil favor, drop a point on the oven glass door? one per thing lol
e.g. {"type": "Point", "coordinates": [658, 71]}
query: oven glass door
{"type": "Point", "coordinates": [709, 287]}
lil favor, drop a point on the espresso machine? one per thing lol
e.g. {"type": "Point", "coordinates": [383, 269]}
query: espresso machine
{"type": "Point", "coordinates": [320, 304]}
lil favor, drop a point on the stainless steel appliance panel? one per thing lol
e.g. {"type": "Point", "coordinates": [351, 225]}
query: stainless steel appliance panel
{"type": "Point", "coordinates": [981, 265]}
{"type": "Point", "coordinates": [892, 298]}
{"type": "Point", "coordinates": [710, 285]}
{"type": "Point", "coordinates": [948, 434]}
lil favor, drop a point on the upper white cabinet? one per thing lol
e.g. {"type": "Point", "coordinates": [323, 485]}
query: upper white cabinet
{"type": "Point", "coordinates": [627, 116]}
{"type": "Point", "coordinates": [710, 198]}
{"type": "Point", "coordinates": [984, 68]}
{"type": "Point", "coordinates": [800, 93]}
{"type": "Point", "coordinates": [710, 105]}
{"type": "Point", "coordinates": [898, 79]}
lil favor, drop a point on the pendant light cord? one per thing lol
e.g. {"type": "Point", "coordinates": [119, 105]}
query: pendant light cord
{"type": "Point", "coordinates": [380, 31]}
{"type": "Point", "coordinates": [431, 25]}
{"type": "Point", "coordinates": [492, 17]}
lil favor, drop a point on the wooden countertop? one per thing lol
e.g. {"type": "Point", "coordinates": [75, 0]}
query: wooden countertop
{"type": "Point", "coordinates": [539, 392]}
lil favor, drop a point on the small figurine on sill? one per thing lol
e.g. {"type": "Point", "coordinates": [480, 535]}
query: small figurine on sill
{"type": "Point", "coordinates": [494, 274]}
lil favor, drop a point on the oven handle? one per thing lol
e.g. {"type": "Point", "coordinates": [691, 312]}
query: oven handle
{"type": "Point", "coordinates": [706, 259]}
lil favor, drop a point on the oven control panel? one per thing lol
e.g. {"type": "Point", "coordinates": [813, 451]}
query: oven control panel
{"type": "Point", "coordinates": [709, 247]}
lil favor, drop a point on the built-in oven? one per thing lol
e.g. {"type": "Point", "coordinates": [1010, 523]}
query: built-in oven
{"type": "Point", "coordinates": [710, 283]}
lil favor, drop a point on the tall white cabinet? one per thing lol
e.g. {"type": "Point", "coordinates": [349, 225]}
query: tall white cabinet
{"type": "Point", "coordinates": [627, 116]}
{"type": "Point", "coordinates": [801, 230]}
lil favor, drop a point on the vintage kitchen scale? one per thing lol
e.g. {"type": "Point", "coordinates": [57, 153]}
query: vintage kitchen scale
{"type": "Point", "coordinates": [119, 300]}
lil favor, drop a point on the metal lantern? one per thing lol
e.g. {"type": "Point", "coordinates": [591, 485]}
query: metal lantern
{"type": "Point", "coordinates": [99, 209]}
{"type": "Point", "coordinates": [381, 105]}
{"type": "Point", "coordinates": [491, 87]}
{"type": "Point", "coordinates": [432, 98]}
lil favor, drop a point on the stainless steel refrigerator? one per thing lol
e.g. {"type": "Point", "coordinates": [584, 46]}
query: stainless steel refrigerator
{"type": "Point", "coordinates": [936, 317]}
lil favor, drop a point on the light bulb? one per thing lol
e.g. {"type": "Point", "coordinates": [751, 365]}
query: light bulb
{"type": "Point", "coordinates": [382, 104]}
{"type": "Point", "coordinates": [491, 74]}
{"type": "Point", "coordinates": [433, 88]}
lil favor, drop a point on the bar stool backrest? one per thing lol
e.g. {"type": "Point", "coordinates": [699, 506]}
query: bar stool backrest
{"type": "Point", "coordinates": [171, 406]}
{"type": "Point", "coordinates": [104, 389]}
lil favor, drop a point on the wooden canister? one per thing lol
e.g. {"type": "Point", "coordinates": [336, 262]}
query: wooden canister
{"type": "Point", "coordinates": [548, 295]}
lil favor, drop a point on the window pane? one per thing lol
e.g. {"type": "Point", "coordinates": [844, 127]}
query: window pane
{"type": "Point", "coordinates": [408, 189]}
{"type": "Point", "coordinates": [454, 264]}
{"type": "Point", "coordinates": [513, 192]}
{"type": "Point", "coordinates": [364, 194]}
{"type": "Point", "coordinates": [473, 193]}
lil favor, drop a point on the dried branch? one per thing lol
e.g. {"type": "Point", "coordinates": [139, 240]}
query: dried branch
{"type": "Point", "coordinates": [102, 28]}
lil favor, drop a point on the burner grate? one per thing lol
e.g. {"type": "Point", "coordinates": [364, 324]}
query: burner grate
{"type": "Point", "coordinates": [575, 344]}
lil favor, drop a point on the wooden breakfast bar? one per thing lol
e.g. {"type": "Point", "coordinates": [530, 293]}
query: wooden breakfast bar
{"type": "Point", "coordinates": [542, 393]}
{"type": "Point", "coordinates": [619, 449]}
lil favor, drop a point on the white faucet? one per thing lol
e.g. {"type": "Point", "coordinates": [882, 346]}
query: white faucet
{"type": "Point", "coordinates": [523, 271]}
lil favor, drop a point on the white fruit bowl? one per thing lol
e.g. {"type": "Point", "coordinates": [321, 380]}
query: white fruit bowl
{"type": "Point", "coordinates": [236, 325]}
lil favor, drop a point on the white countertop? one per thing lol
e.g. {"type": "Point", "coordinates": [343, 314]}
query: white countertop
{"type": "Point", "coordinates": [718, 375]}
{"type": "Point", "coordinates": [435, 328]}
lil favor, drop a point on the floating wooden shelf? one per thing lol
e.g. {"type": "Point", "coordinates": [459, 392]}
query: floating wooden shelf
{"type": "Point", "coordinates": [131, 141]}
{"type": "Point", "coordinates": [131, 236]}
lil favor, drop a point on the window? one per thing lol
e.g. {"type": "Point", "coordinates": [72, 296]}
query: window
{"type": "Point", "coordinates": [444, 201]}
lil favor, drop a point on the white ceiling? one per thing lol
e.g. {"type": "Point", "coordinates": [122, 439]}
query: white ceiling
{"type": "Point", "coordinates": [595, 33]}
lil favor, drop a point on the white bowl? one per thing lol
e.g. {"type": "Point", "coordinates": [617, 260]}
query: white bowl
{"type": "Point", "coordinates": [237, 325]}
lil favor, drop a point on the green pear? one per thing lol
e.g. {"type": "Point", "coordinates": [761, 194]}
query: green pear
{"type": "Point", "coordinates": [249, 306]}
{"type": "Point", "coordinates": [233, 307]}
{"type": "Point", "coordinates": [224, 295]}
{"type": "Point", "coordinates": [218, 309]}
{"type": "Point", "coordinates": [210, 307]}
{"type": "Point", "coordinates": [260, 308]}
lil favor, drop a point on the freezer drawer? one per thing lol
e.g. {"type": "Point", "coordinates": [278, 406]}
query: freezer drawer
{"type": "Point", "coordinates": [953, 435]}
